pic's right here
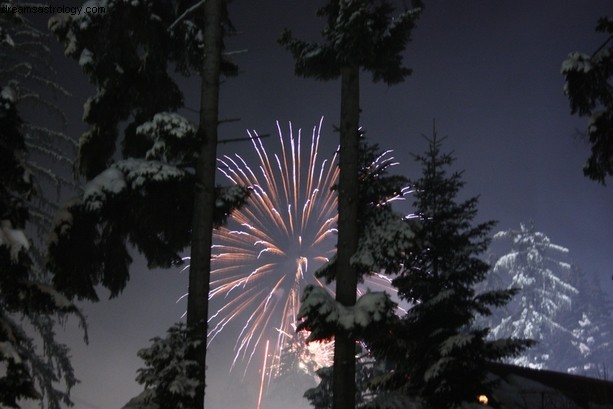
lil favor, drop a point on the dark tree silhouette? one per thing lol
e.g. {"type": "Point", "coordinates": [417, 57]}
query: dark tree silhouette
{"type": "Point", "coordinates": [439, 354]}
{"type": "Point", "coordinates": [590, 92]}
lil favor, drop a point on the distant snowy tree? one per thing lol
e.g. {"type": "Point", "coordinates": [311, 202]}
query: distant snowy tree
{"type": "Point", "coordinates": [437, 350]}
{"type": "Point", "coordinates": [33, 365]}
{"type": "Point", "coordinates": [536, 267]}
{"type": "Point", "coordinates": [588, 87]}
{"type": "Point", "coordinates": [591, 322]}
{"type": "Point", "coordinates": [360, 34]}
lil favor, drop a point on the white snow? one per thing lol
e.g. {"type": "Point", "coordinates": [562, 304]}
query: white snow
{"type": "Point", "coordinates": [8, 350]}
{"type": "Point", "coordinates": [385, 237]}
{"type": "Point", "coordinates": [87, 106]}
{"type": "Point", "coordinates": [6, 38]}
{"type": "Point", "coordinates": [110, 182]}
{"type": "Point", "coordinates": [86, 57]}
{"type": "Point", "coordinates": [59, 300]}
{"type": "Point", "coordinates": [138, 171]}
{"type": "Point", "coordinates": [14, 239]}
{"type": "Point", "coordinates": [576, 62]}
{"type": "Point", "coordinates": [162, 129]}
{"type": "Point", "coordinates": [9, 95]}
{"type": "Point", "coordinates": [129, 173]}
{"type": "Point", "coordinates": [370, 308]}
{"type": "Point", "coordinates": [169, 123]}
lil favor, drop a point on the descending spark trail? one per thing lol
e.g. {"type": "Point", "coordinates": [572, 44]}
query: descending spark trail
{"type": "Point", "coordinates": [263, 376]}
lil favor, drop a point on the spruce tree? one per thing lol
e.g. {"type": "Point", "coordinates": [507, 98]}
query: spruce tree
{"type": "Point", "coordinates": [383, 237]}
{"type": "Point", "coordinates": [360, 34]}
{"type": "Point", "coordinates": [538, 268]}
{"type": "Point", "coordinates": [33, 364]}
{"type": "Point", "coordinates": [160, 195]}
{"type": "Point", "coordinates": [592, 328]}
{"type": "Point", "coordinates": [439, 354]}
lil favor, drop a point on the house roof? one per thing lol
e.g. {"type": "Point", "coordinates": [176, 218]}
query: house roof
{"type": "Point", "coordinates": [521, 387]}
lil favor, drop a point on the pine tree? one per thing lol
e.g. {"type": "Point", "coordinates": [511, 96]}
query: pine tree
{"type": "Point", "coordinates": [33, 364]}
{"type": "Point", "coordinates": [360, 34]}
{"type": "Point", "coordinates": [588, 88]}
{"type": "Point", "coordinates": [168, 166]}
{"type": "Point", "coordinates": [537, 267]}
{"type": "Point", "coordinates": [383, 237]}
{"type": "Point", "coordinates": [592, 328]}
{"type": "Point", "coordinates": [440, 354]}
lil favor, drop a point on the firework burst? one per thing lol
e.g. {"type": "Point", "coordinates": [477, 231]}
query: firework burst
{"type": "Point", "coordinates": [271, 247]}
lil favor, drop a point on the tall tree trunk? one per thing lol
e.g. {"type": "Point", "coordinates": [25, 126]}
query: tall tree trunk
{"type": "Point", "coordinates": [346, 276]}
{"type": "Point", "coordinates": [204, 197]}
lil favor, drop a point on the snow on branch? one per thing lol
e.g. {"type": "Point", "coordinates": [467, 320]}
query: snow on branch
{"type": "Point", "coordinates": [385, 237]}
{"type": "Point", "coordinates": [173, 137]}
{"type": "Point", "coordinates": [323, 316]}
{"type": "Point", "coordinates": [131, 173]}
{"type": "Point", "coordinates": [14, 239]}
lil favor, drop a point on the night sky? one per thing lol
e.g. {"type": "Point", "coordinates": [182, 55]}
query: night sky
{"type": "Point", "coordinates": [487, 71]}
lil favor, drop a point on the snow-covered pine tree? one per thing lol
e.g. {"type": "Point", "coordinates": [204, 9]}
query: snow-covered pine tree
{"type": "Point", "coordinates": [168, 373]}
{"type": "Point", "coordinates": [383, 236]}
{"type": "Point", "coordinates": [439, 353]}
{"type": "Point", "coordinates": [538, 268]}
{"type": "Point", "coordinates": [161, 196]}
{"type": "Point", "coordinates": [591, 321]}
{"type": "Point", "coordinates": [126, 52]}
{"type": "Point", "coordinates": [367, 369]}
{"type": "Point", "coordinates": [360, 34]}
{"type": "Point", "coordinates": [33, 365]}
{"type": "Point", "coordinates": [588, 87]}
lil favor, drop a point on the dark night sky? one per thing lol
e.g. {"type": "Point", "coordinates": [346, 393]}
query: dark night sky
{"type": "Point", "coordinates": [488, 71]}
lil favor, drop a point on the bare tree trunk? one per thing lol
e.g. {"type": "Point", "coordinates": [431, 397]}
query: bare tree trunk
{"type": "Point", "coordinates": [346, 276]}
{"type": "Point", "coordinates": [204, 197]}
